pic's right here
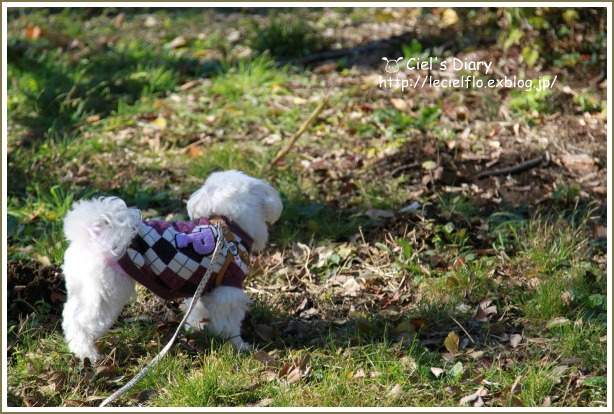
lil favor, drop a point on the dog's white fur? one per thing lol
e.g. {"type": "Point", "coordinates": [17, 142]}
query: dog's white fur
{"type": "Point", "coordinates": [99, 230]}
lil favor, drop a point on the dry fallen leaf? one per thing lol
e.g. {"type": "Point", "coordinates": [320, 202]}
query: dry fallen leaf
{"type": "Point", "coordinates": [106, 370]}
{"type": "Point", "coordinates": [540, 340]}
{"type": "Point", "coordinates": [429, 165]}
{"type": "Point", "coordinates": [294, 376]}
{"type": "Point", "coordinates": [57, 380]}
{"type": "Point", "coordinates": [516, 402]}
{"type": "Point", "coordinates": [265, 332]}
{"type": "Point", "coordinates": [194, 151]}
{"type": "Point", "coordinates": [448, 356]}
{"type": "Point", "coordinates": [297, 100]}
{"type": "Point", "coordinates": [515, 340]}
{"type": "Point", "coordinates": [448, 18]}
{"type": "Point", "coordinates": [558, 322]}
{"type": "Point", "coordinates": [265, 359]}
{"type": "Point", "coordinates": [34, 32]}
{"type": "Point", "coordinates": [325, 68]}
{"type": "Point", "coordinates": [571, 361]}
{"type": "Point", "coordinates": [404, 328]}
{"type": "Point", "coordinates": [484, 311]}
{"type": "Point", "coordinates": [481, 392]}
{"type": "Point", "coordinates": [119, 20]}
{"type": "Point", "coordinates": [476, 354]}
{"type": "Point", "coordinates": [189, 85]}
{"type": "Point", "coordinates": [451, 342]}
{"type": "Point", "coordinates": [159, 123]}
{"type": "Point", "coordinates": [92, 118]}
{"type": "Point", "coordinates": [265, 402]}
{"type": "Point", "coordinates": [396, 390]}
{"type": "Point", "coordinates": [177, 42]}
{"type": "Point", "coordinates": [301, 252]}
{"type": "Point", "coordinates": [293, 373]}
{"type": "Point", "coordinates": [461, 113]}
{"type": "Point", "coordinates": [580, 163]}
{"type": "Point", "coordinates": [74, 403]}
{"type": "Point", "coordinates": [44, 260]}
{"type": "Point", "coordinates": [400, 104]}
{"type": "Point", "coordinates": [268, 376]}
{"type": "Point", "coordinates": [376, 214]}
{"type": "Point", "coordinates": [599, 230]}
{"type": "Point", "coordinates": [558, 373]}
{"type": "Point", "coordinates": [284, 370]}
{"type": "Point", "coordinates": [420, 324]}
{"type": "Point", "coordinates": [437, 371]}
{"type": "Point", "coordinates": [93, 398]}
{"type": "Point", "coordinates": [351, 287]}
{"type": "Point", "coordinates": [360, 373]}
{"type": "Point", "coordinates": [371, 80]}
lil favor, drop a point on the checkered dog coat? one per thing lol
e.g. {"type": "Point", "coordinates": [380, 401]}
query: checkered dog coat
{"type": "Point", "coordinates": [171, 258]}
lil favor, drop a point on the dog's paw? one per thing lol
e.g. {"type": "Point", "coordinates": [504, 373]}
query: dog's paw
{"type": "Point", "coordinates": [240, 345]}
{"type": "Point", "coordinates": [84, 350]}
{"type": "Point", "coordinates": [195, 325]}
{"type": "Point", "coordinates": [92, 361]}
{"type": "Point", "coordinates": [91, 357]}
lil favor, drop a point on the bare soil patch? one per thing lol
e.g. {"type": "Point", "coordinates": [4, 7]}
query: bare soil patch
{"type": "Point", "coordinates": [29, 283]}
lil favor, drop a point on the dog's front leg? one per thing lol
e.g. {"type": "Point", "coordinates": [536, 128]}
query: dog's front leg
{"type": "Point", "coordinates": [222, 311]}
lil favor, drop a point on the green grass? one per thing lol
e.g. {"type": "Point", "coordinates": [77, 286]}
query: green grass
{"type": "Point", "coordinates": [417, 276]}
{"type": "Point", "coordinates": [303, 221]}
{"type": "Point", "coordinates": [286, 37]}
{"type": "Point", "coordinates": [368, 349]}
{"type": "Point", "coordinates": [249, 79]}
{"type": "Point", "coordinates": [40, 223]}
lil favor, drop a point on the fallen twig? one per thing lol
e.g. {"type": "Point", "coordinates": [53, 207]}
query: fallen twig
{"type": "Point", "coordinates": [518, 168]}
{"type": "Point", "coordinates": [282, 152]}
{"type": "Point", "coordinates": [461, 326]}
{"type": "Point", "coordinates": [513, 389]}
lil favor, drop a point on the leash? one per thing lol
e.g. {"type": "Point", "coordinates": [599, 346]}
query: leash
{"type": "Point", "coordinates": [197, 294]}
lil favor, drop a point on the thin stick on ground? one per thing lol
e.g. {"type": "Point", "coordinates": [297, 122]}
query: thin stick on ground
{"type": "Point", "coordinates": [461, 326]}
{"type": "Point", "coordinates": [516, 169]}
{"type": "Point", "coordinates": [282, 152]}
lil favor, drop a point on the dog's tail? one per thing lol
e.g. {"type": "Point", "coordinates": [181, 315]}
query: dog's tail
{"type": "Point", "coordinates": [105, 223]}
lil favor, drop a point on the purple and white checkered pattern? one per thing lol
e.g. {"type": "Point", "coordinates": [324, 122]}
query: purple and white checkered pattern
{"type": "Point", "coordinates": [162, 254]}
{"type": "Point", "coordinates": [155, 260]}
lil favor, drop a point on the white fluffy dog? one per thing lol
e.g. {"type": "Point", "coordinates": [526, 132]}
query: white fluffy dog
{"type": "Point", "coordinates": [110, 247]}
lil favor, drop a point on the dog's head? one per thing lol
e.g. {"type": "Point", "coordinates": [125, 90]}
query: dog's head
{"type": "Point", "coordinates": [249, 202]}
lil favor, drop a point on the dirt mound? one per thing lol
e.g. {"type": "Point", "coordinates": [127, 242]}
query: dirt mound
{"type": "Point", "coordinates": [513, 171]}
{"type": "Point", "coordinates": [34, 287]}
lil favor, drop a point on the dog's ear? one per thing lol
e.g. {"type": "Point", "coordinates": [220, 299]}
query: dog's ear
{"type": "Point", "coordinates": [96, 229]}
{"type": "Point", "coordinates": [270, 200]}
{"type": "Point", "coordinates": [199, 204]}
{"type": "Point", "coordinates": [94, 232]}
